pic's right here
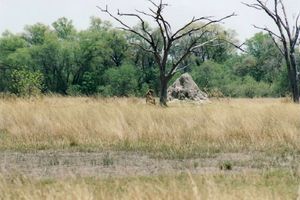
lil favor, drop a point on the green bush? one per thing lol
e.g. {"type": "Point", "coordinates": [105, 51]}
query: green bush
{"type": "Point", "coordinates": [120, 81]}
{"type": "Point", "coordinates": [280, 85]}
{"type": "Point", "coordinates": [247, 87]}
{"type": "Point", "coordinates": [209, 75]}
{"type": "Point", "coordinates": [89, 83]}
{"type": "Point", "coordinates": [74, 90]}
{"type": "Point", "coordinates": [106, 91]}
{"type": "Point", "coordinates": [26, 83]}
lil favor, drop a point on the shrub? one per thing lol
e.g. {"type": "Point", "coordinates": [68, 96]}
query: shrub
{"type": "Point", "coordinates": [247, 87]}
{"type": "Point", "coordinates": [120, 81]}
{"type": "Point", "coordinates": [74, 90]}
{"type": "Point", "coordinates": [89, 83]}
{"type": "Point", "coordinates": [209, 75]}
{"type": "Point", "coordinates": [26, 83]}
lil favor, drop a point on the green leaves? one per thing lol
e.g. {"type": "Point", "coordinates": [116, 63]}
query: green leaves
{"type": "Point", "coordinates": [64, 28]}
{"type": "Point", "coordinates": [101, 60]}
{"type": "Point", "coordinates": [121, 81]}
{"type": "Point", "coordinates": [35, 34]}
{"type": "Point", "coordinates": [26, 83]}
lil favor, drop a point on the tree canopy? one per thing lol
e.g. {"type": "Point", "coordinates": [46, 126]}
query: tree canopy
{"type": "Point", "coordinates": [102, 60]}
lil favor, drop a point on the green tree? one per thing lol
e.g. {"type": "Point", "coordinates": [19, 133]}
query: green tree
{"type": "Point", "coordinates": [91, 54]}
{"type": "Point", "coordinates": [246, 65]}
{"type": "Point", "coordinates": [210, 75]}
{"type": "Point", "coordinates": [47, 58]}
{"type": "Point", "coordinates": [268, 57]}
{"type": "Point", "coordinates": [64, 28]}
{"type": "Point", "coordinates": [35, 34]}
{"type": "Point", "coordinates": [96, 24]}
{"type": "Point", "coordinates": [120, 81]}
{"type": "Point", "coordinates": [116, 41]}
{"type": "Point", "coordinates": [10, 52]}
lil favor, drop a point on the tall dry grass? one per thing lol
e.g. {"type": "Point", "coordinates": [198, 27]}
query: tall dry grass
{"type": "Point", "coordinates": [129, 124]}
{"type": "Point", "coordinates": [271, 185]}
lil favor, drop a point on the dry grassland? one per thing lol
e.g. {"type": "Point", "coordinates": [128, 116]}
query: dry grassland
{"type": "Point", "coordinates": [265, 186]}
{"type": "Point", "coordinates": [128, 124]}
{"type": "Point", "coordinates": [267, 131]}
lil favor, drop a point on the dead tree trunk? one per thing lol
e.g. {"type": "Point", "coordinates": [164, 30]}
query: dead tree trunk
{"type": "Point", "coordinates": [161, 47]}
{"type": "Point", "coordinates": [163, 91]}
{"type": "Point", "coordinates": [286, 39]}
{"type": "Point", "coordinates": [294, 77]}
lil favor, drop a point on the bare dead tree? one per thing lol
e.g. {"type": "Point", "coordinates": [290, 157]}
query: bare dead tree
{"type": "Point", "coordinates": [286, 38]}
{"type": "Point", "coordinates": [168, 67]}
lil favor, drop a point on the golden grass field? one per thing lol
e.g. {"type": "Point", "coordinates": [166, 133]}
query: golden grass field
{"type": "Point", "coordinates": [128, 124]}
{"type": "Point", "coordinates": [268, 127]}
{"type": "Point", "coordinates": [268, 186]}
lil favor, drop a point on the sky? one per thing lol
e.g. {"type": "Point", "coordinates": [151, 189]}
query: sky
{"type": "Point", "coordinates": [15, 14]}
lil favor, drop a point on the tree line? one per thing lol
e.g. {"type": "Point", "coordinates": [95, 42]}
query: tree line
{"type": "Point", "coordinates": [106, 61]}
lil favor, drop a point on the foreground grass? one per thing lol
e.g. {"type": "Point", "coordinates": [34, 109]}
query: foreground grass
{"type": "Point", "coordinates": [180, 131]}
{"type": "Point", "coordinates": [258, 126]}
{"type": "Point", "coordinates": [265, 185]}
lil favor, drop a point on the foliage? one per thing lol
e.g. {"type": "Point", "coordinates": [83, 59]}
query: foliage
{"type": "Point", "coordinates": [209, 75]}
{"type": "Point", "coordinates": [248, 87]}
{"type": "Point", "coordinates": [35, 34]}
{"type": "Point", "coordinates": [26, 83]}
{"type": "Point", "coordinates": [268, 59]}
{"type": "Point", "coordinates": [121, 81]}
{"type": "Point", "coordinates": [101, 60]}
{"type": "Point", "coordinates": [64, 28]}
{"type": "Point", "coordinates": [74, 90]}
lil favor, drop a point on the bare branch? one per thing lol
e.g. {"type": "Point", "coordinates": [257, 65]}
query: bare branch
{"type": "Point", "coordinates": [177, 69]}
{"type": "Point", "coordinates": [274, 15]}
{"type": "Point", "coordinates": [152, 2]}
{"type": "Point", "coordinates": [189, 24]}
{"type": "Point", "coordinates": [267, 30]}
{"type": "Point", "coordinates": [255, 6]}
{"type": "Point", "coordinates": [297, 20]}
{"type": "Point", "coordinates": [203, 44]}
{"type": "Point", "coordinates": [143, 48]}
{"type": "Point", "coordinates": [146, 14]}
{"type": "Point", "coordinates": [296, 31]}
{"type": "Point", "coordinates": [239, 47]}
{"type": "Point", "coordinates": [286, 25]}
{"type": "Point", "coordinates": [191, 47]}
{"type": "Point", "coordinates": [199, 28]}
{"type": "Point", "coordinates": [272, 35]}
{"type": "Point", "coordinates": [142, 23]}
{"type": "Point", "coordinates": [276, 44]}
{"type": "Point", "coordinates": [127, 28]}
{"type": "Point", "coordinates": [262, 6]}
